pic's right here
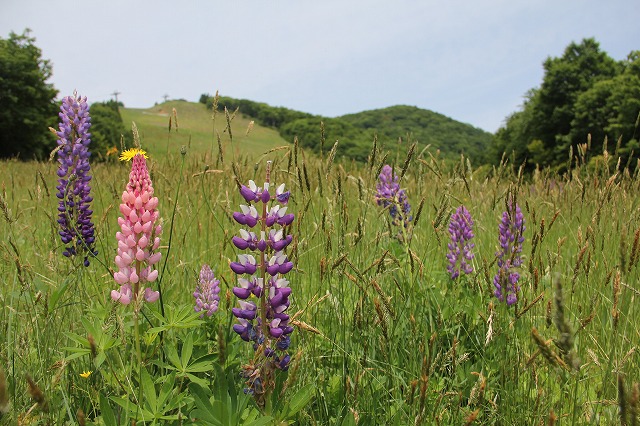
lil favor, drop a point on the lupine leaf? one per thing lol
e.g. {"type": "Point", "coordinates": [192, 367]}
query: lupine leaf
{"type": "Point", "coordinates": [149, 390]}
{"type": "Point", "coordinates": [187, 350]}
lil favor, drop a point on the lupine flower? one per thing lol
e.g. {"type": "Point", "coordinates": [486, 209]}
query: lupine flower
{"type": "Point", "coordinates": [262, 290]}
{"type": "Point", "coordinates": [389, 195]}
{"type": "Point", "coordinates": [76, 228]}
{"type": "Point", "coordinates": [511, 238]}
{"type": "Point", "coordinates": [206, 293]}
{"type": "Point", "coordinates": [139, 235]}
{"type": "Point", "coordinates": [461, 231]}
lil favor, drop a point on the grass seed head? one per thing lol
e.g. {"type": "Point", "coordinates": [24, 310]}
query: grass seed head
{"type": "Point", "coordinates": [36, 394]}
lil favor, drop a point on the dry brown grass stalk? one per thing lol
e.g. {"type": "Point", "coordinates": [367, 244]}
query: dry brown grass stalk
{"type": "Point", "coordinates": [332, 156]}
{"type": "Point", "coordinates": [386, 300]}
{"type": "Point", "coordinates": [472, 417]}
{"type": "Point", "coordinates": [576, 268]}
{"type": "Point", "coordinates": [615, 312]}
{"type": "Point", "coordinates": [299, 176]}
{"type": "Point", "coordinates": [476, 395]}
{"type": "Point", "coordinates": [623, 408]}
{"type": "Point", "coordinates": [565, 342]}
{"type": "Point", "coordinates": [529, 306]}
{"type": "Point", "coordinates": [407, 160]}
{"type": "Point", "coordinates": [416, 258]}
{"type": "Point", "coordinates": [550, 355]}
{"type": "Point", "coordinates": [633, 404]}
{"type": "Point", "coordinates": [92, 345]}
{"type": "Point", "coordinates": [584, 322]}
{"type": "Point", "coordinates": [216, 100]}
{"type": "Point", "coordinates": [635, 251]}
{"type": "Point", "coordinates": [36, 394]}
{"type": "Point", "coordinates": [383, 317]}
{"type": "Point", "coordinates": [6, 212]}
{"type": "Point", "coordinates": [489, 335]}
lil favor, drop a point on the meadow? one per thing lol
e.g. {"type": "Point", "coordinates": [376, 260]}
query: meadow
{"type": "Point", "coordinates": [382, 334]}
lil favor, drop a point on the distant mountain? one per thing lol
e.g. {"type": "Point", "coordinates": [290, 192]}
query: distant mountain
{"type": "Point", "coordinates": [395, 127]}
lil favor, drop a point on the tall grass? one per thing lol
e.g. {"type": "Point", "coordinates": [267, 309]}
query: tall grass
{"type": "Point", "coordinates": [382, 333]}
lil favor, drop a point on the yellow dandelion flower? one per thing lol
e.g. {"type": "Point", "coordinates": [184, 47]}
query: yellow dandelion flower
{"type": "Point", "coordinates": [85, 374]}
{"type": "Point", "coordinates": [128, 154]}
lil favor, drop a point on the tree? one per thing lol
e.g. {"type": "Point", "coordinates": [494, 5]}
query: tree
{"type": "Point", "coordinates": [583, 92]}
{"type": "Point", "coordinates": [580, 67]}
{"type": "Point", "coordinates": [28, 101]}
{"type": "Point", "coordinates": [610, 109]}
{"type": "Point", "coordinates": [107, 128]}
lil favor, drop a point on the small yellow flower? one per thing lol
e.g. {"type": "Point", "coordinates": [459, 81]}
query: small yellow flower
{"type": "Point", "coordinates": [85, 374]}
{"type": "Point", "coordinates": [112, 151]}
{"type": "Point", "coordinates": [128, 154]}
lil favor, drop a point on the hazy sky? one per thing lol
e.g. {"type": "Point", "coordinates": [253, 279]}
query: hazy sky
{"type": "Point", "coordinates": [470, 60]}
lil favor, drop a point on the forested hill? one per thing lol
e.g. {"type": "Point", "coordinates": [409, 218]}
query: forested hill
{"type": "Point", "coordinates": [396, 127]}
{"type": "Point", "coordinates": [449, 136]}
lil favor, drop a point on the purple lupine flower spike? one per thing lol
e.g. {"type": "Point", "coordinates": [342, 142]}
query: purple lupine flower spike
{"type": "Point", "coordinates": [262, 290]}
{"type": "Point", "coordinates": [207, 292]}
{"type": "Point", "coordinates": [511, 230]}
{"type": "Point", "coordinates": [390, 195]}
{"type": "Point", "coordinates": [461, 231]}
{"type": "Point", "coordinates": [76, 228]}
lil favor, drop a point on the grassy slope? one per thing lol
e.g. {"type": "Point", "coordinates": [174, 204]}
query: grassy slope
{"type": "Point", "coordinates": [195, 129]}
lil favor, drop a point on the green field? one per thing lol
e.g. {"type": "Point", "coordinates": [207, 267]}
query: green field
{"type": "Point", "coordinates": [197, 130]}
{"type": "Point", "coordinates": [382, 336]}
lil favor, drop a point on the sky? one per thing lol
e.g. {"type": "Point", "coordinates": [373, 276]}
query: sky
{"type": "Point", "coordinates": [473, 61]}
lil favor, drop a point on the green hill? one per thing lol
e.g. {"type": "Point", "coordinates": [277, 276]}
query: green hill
{"type": "Point", "coordinates": [195, 128]}
{"type": "Point", "coordinates": [449, 136]}
{"type": "Point", "coordinates": [357, 131]}
{"type": "Point", "coordinates": [278, 126]}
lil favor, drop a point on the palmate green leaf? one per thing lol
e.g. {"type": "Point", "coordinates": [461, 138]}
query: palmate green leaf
{"type": "Point", "coordinates": [204, 408]}
{"type": "Point", "coordinates": [176, 318]}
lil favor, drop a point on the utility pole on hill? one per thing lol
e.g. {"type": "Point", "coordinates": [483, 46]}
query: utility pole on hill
{"type": "Point", "coordinates": [115, 94]}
